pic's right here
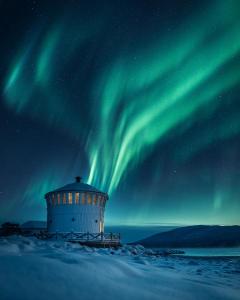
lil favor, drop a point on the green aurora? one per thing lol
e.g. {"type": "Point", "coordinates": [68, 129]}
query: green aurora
{"type": "Point", "coordinates": [141, 95]}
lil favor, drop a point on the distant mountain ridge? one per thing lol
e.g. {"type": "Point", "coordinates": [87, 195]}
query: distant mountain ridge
{"type": "Point", "coordinates": [195, 236]}
{"type": "Point", "coordinates": [34, 224]}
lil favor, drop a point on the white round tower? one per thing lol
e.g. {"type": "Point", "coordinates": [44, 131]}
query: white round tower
{"type": "Point", "coordinates": [76, 207]}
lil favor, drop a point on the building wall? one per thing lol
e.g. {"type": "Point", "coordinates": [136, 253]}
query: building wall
{"type": "Point", "coordinates": [71, 212]}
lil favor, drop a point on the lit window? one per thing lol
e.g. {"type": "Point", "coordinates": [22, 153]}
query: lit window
{"type": "Point", "coordinates": [76, 198]}
{"type": "Point", "coordinates": [89, 199]}
{"type": "Point", "coordinates": [69, 198]}
{"type": "Point", "coordinates": [94, 199]}
{"type": "Point", "coordinates": [58, 199]}
{"type": "Point", "coordinates": [64, 199]}
{"type": "Point", "coordinates": [100, 226]}
{"type": "Point", "coordinates": [83, 198]}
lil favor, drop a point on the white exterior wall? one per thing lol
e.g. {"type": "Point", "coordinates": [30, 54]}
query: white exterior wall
{"type": "Point", "coordinates": [75, 217]}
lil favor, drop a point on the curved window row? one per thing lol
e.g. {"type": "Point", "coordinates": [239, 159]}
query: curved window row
{"type": "Point", "coordinates": [75, 198]}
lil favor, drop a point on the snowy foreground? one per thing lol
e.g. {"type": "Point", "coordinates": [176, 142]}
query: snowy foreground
{"type": "Point", "coordinates": [35, 269]}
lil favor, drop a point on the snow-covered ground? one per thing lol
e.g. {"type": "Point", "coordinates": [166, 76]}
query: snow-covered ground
{"type": "Point", "coordinates": [35, 269]}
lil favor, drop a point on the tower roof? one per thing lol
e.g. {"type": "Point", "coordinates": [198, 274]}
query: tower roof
{"type": "Point", "coordinates": [77, 186]}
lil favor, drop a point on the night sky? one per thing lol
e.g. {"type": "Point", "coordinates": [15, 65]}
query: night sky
{"type": "Point", "coordinates": [140, 98]}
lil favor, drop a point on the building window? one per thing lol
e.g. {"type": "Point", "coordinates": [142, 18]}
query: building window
{"type": "Point", "coordinates": [99, 199]}
{"type": "Point", "coordinates": [69, 198]}
{"type": "Point", "coordinates": [77, 198]}
{"type": "Point", "coordinates": [64, 199]}
{"type": "Point", "coordinates": [100, 226]}
{"type": "Point", "coordinates": [89, 199]}
{"type": "Point", "coordinates": [58, 199]}
{"type": "Point", "coordinates": [53, 199]}
{"type": "Point", "coordinates": [73, 219]}
{"type": "Point", "coordinates": [103, 201]}
{"type": "Point", "coordinates": [83, 198]}
{"type": "Point", "coordinates": [94, 199]}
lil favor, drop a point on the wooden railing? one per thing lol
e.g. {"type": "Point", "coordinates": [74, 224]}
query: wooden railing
{"type": "Point", "coordinates": [80, 236]}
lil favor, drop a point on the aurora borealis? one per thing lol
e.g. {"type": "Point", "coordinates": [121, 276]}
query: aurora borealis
{"type": "Point", "coordinates": [141, 98]}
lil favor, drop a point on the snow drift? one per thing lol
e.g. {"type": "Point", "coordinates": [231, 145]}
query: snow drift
{"type": "Point", "coordinates": [35, 269]}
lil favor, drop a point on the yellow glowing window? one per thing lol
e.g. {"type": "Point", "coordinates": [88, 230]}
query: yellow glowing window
{"type": "Point", "coordinates": [58, 199]}
{"type": "Point", "coordinates": [101, 226]}
{"type": "Point", "coordinates": [69, 198]}
{"type": "Point", "coordinates": [94, 199]}
{"type": "Point", "coordinates": [89, 199]}
{"type": "Point", "coordinates": [64, 199]}
{"type": "Point", "coordinates": [76, 198]}
{"type": "Point", "coordinates": [83, 198]}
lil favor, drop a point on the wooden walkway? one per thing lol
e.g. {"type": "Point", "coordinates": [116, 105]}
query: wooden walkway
{"type": "Point", "coordinates": [99, 240]}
